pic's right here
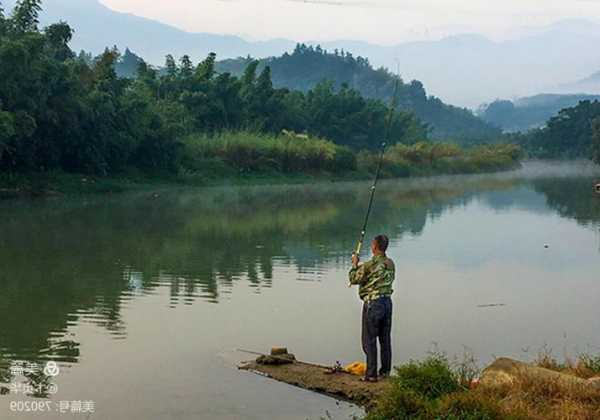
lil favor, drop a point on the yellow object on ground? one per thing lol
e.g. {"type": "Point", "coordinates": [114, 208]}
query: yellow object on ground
{"type": "Point", "coordinates": [356, 368]}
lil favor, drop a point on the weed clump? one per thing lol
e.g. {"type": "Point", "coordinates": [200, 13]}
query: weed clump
{"type": "Point", "coordinates": [430, 378]}
{"type": "Point", "coordinates": [434, 389]}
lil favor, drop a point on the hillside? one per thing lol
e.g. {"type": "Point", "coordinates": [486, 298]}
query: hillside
{"type": "Point", "coordinates": [531, 112]}
{"type": "Point", "coordinates": [306, 66]}
{"type": "Point", "coordinates": [573, 133]}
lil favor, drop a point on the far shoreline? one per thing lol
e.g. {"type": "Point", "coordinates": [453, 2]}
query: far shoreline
{"type": "Point", "coordinates": [59, 184]}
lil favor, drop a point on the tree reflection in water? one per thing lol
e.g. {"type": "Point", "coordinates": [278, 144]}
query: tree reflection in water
{"type": "Point", "coordinates": [68, 260]}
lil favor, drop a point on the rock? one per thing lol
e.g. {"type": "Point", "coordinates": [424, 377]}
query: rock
{"type": "Point", "coordinates": [276, 351]}
{"type": "Point", "coordinates": [505, 371]}
{"type": "Point", "coordinates": [283, 359]}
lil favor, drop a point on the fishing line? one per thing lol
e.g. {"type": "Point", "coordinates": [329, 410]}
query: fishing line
{"type": "Point", "coordinates": [392, 111]}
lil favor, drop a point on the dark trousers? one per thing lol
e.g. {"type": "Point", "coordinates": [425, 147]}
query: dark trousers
{"type": "Point", "coordinates": [377, 324]}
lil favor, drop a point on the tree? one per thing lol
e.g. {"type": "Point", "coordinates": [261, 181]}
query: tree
{"type": "Point", "coordinates": [596, 140]}
{"type": "Point", "coordinates": [306, 67]}
{"type": "Point", "coordinates": [187, 67]}
{"type": "Point", "coordinates": [170, 66]}
{"type": "Point", "coordinates": [569, 134]}
{"type": "Point", "coordinates": [80, 115]}
{"type": "Point", "coordinates": [264, 85]}
{"type": "Point", "coordinates": [58, 37]}
{"type": "Point", "coordinates": [128, 64]}
{"type": "Point", "coordinates": [206, 69]}
{"type": "Point", "coordinates": [85, 57]}
{"type": "Point", "coordinates": [7, 131]}
{"type": "Point", "coordinates": [105, 74]}
{"type": "Point", "coordinates": [25, 16]}
{"type": "Point", "coordinates": [249, 76]}
{"type": "Point", "coordinates": [3, 23]}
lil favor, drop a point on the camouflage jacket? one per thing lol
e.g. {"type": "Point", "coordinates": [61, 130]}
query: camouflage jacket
{"type": "Point", "coordinates": [374, 278]}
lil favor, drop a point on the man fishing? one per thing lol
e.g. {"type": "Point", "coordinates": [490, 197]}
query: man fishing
{"type": "Point", "coordinates": [375, 279]}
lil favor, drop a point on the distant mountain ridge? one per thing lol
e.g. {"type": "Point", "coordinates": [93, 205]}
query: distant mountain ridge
{"type": "Point", "coordinates": [594, 78]}
{"type": "Point", "coordinates": [531, 112]}
{"type": "Point", "coordinates": [589, 84]}
{"type": "Point", "coordinates": [466, 69]}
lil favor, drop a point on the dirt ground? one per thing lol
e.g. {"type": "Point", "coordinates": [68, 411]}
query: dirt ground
{"type": "Point", "coordinates": [315, 378]}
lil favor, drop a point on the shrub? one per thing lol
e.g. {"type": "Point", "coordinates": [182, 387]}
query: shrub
{"type": "Point", "coordinates": [400, 403]}
{"type": "Point", "coordinates": [470, 406]}
{"type": "Point", "coordinates": [430, 390]}
{"type": "Point", "coordinates": [430, 378]}
{"type": "Point", "coordinates": [251, 152]}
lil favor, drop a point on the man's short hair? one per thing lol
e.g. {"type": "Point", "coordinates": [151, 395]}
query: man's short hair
{"type": "Point", "coordinates": [382, 242]}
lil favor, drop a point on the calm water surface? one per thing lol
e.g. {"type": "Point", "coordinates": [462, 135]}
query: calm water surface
{"type": "Point", "coordinates": [142, 300]}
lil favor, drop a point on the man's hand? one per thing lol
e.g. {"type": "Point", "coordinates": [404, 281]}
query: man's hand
{"type": "Point", "coordinates": [355, 260]}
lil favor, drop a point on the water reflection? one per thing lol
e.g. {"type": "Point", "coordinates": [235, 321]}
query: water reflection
{"type": "Point", "coordinates": [571, 198]}
{"type": "Point", "coordinates": [66, 262]}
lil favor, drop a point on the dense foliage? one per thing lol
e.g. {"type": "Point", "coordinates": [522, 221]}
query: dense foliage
{"type": "Point", "coordinates": [596, 139]}
{"type": "Point", "coordinates": [307, 66]}
{"type": "Point", "coordinates": [59, 111]}
{"type": "Point", "coordinates": [567, 135]}
{"type": "Point", "coordinates": [244, 152]}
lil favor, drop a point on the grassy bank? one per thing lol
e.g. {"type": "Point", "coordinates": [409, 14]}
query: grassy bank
{"type": "Point", "coordinates": [232, 155]}
{"type": "Point", "coordinates": [250, 158]}
{"type": "Point", "coordinates": [438, 389]}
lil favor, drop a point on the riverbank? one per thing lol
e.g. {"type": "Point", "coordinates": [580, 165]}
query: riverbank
{"type": "Point", "coordinates": [243, 158]}
{"type": "Point", "coordinates": [436, 388]}
{"type": "Point", "coordinates": [507, 389]}
{"type": "Point", "coordinates": [58, 183]}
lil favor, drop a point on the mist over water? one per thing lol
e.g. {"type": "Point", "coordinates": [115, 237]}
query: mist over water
{"type": "Point", "coordinates": [149, 296]}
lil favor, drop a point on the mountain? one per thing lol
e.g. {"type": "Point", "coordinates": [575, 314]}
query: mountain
{"type": "Point", "coordinates": [466, 69]}
{"type": "Point", "coordinates": [530, 112]}
{"type": "Point", "coordinates": [590, 84]}
{"type": "Point", "coordinates": [306, 66]}
{"type": "Point", "coordinates": [470, 69]}
{"type": "Point", "coordinates": [96, 27]}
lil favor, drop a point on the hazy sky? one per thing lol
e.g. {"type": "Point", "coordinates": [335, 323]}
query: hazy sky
{"type": "Point", "coordinates": [381, 21]}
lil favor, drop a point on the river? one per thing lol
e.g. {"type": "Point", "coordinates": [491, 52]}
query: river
{"type": "Point", "coordinates": [142, 299]}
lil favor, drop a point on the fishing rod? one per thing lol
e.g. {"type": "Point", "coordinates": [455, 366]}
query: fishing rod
{"type": "Point", "coordinates": [363, 232]}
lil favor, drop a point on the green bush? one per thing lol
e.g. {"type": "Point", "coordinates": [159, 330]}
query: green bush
{"type": "Point", "coordinates": [252, 152]}
{"type": "Point", "coordinates": [344, 160]}
{"type": "Point", "coordinates": [430, 378]}
{"type": "Point", "coordinates": [400, 403]}
{"type": "Point", "coordinates": [469, 406]}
